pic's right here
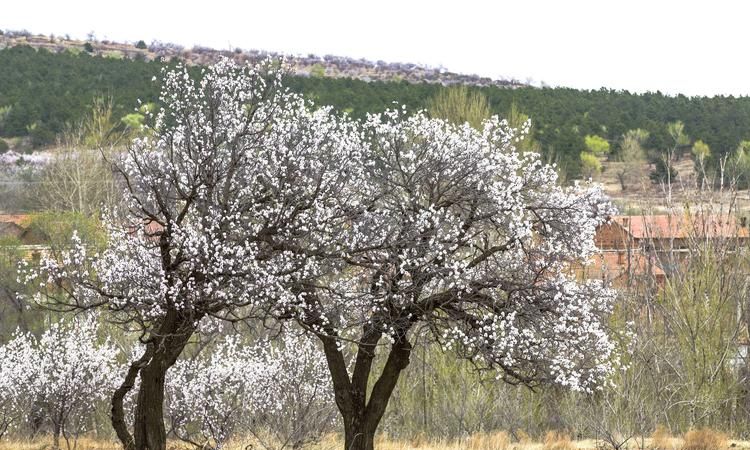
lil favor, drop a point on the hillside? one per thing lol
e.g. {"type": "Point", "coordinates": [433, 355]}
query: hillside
{"type": "Point", "coordinates": [307, 65]}
{"type": "Point", "coordinates": [47, 83]}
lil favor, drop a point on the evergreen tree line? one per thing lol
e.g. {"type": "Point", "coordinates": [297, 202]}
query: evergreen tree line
{"type": "Point", "coordinates": [42, 92]}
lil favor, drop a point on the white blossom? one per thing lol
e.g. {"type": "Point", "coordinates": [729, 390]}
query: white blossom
{"type": "Point", "coordinates": [262, 388]}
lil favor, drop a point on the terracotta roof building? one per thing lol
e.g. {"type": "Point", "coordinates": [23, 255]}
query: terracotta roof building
{"type": "Point", "coordinates": [652, 246]}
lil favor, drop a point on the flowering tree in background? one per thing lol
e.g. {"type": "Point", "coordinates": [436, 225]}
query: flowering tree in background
{"type": "Point", "coordinates": [209, 398]}
{"type": "Point", "coordinates": [261, 389]}
{"type": "Point", "coordinates": [304, 407]}
{"type": "Point", "coordinates": [73, 373]}
{"type": "Point", "coordinates": [245, 203]}
{"type": "Point", "coordinates": [18, 364]}
{"type": "Point", "coordinates": [62, 374]}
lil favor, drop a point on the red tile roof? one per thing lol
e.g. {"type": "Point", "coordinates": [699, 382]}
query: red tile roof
{"type": "Point", "coordinates": [682, 226]}
{"type": "Point", "coordinates": [18, 219]}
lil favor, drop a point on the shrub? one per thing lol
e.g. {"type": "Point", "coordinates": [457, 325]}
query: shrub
{"type": "Point", "coordinates": [704, 439]}
{"type": "Point", "coordinates": [590, 164]}
{"type": "Point", "coordinates": [88, 47]}
{"type": "Point", "coordinates": [4, 147]}
{"type": "Point", "coordinates": [318, 71]}
{"type": "Point", "coordinates": [663, 172]}
{"type": "Point", "coordinates": [662, 439]}
{"type": "Point", "coordinates": [41, 135]}
{"type": "Point", "coordinates": [557, 440]}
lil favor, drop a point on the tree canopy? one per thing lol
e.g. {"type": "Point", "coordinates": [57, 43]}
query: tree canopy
{"type": "Point", "coordinates": [244, 201]}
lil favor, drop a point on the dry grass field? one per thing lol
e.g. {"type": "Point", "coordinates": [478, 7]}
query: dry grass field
{"type": "Point", "coordinates": [660, 440]}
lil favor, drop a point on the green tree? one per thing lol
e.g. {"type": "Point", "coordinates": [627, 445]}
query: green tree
{"type": "Point", "coordinates": [88, 47]}
{"type": "Point", "coordinates": [738, 166]}
{"type": "Point", "coordinates": [701, 306]}
{"type": "Point", "coordinates": [677, 132]}
{"type": "Point", "coordinates": [520, 121]}
{"type": "Point", "coordinates": [631, 157]}
{"type": "Point", "coordinates": [133, 120]}
{"type": "Point", "coordinates": [318, 71]}
{"type": "Point", "coordinates": [141, 45]}
{"type": "Point", "coordinates": [596, 145]}
{"type": "Point", "coordinates": [590, 164]}
{"type": "Point", "coordinates": [663, 171]}
{"type": "Point", "coordinates": [460, 105]}
{"type": "Point", "coordinates": [701, 150]}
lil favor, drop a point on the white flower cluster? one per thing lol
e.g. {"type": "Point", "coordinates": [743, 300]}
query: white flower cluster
{"type": "Point", "coordinates": [18, 362]}
{"type": "Point", "coordinates": [463, 231]}
{"type": "Point", "coordinates": [12, 163]}
{"type": "Point", "coordinates": [60, 375]}
{"type": "Point", "coordinates": [266, 387]}
{"type": "Point", "coordinates": [243, 201]}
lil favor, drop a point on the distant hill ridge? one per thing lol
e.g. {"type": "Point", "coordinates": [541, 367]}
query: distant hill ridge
{"type": "Point", "coordinates": [48, 83]}
{"type": "Point", "coordinates": [310, 65]}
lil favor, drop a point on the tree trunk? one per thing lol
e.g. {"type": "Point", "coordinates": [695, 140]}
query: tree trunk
{"type": "Point", "coordinates": [118, 398]}
{"type": "Point", "coordinates": [357, 437]}
{"type": "Point", "coordinates": [149, 432]}
{"type": "Point", "coordinates": [56, 435]}
{"type": "Point", "coordinates": [162, 352]}
{"type": "Point", "coordinates": [361, 422]}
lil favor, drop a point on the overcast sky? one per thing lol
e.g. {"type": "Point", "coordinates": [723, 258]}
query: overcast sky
{"type": "Point", "coordinates": [688, 47]}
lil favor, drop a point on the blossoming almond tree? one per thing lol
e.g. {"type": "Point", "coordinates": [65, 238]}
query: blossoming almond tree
{"type": "Point", "coordinates": [249, 204]}
{"type": "Point", "coordinates": [208, 398]}
{"type": "Point", "coordinates": [74, 371]}
{"type": "Point", "coordinates": [460, 234]}
{"type": "Point", "coordinates": [301, 387]}
{"type": "Point", "coordinates": [230, 197]}
{"type": "Point", "coordinates": [61, 374]}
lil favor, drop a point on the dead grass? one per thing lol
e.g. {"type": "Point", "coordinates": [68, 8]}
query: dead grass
{"type": "Point", "coordinates": [557, 440]}
{"type": "Point", "coordinates": [523, 437]}
{"type": "Point", "coordinates": [494, 441]}
{"type": "Point", "coordinates": [661, 439]}
{"type": "Point", "coordinates": [704, 439]}
{"type": "Point", "coordinates": [84, 443]}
